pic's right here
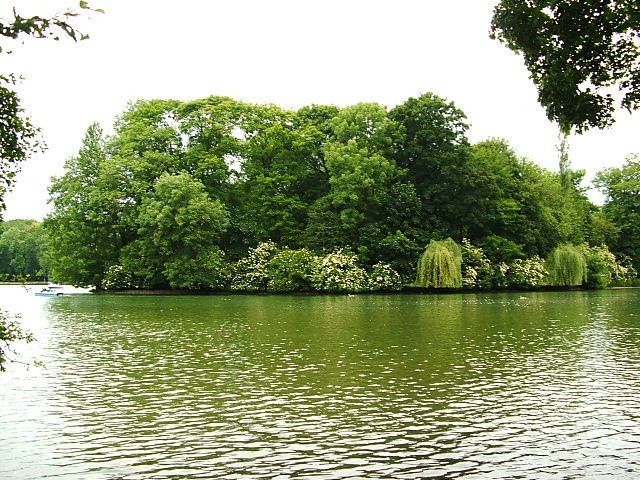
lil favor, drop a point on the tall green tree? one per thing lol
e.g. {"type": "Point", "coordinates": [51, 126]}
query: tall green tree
{"type": "Point", "coordinates": [85, 225]}
{"type": "Point", "coordinates": [212, 128]}
{"type": "Point", "coordinates": [575, 51]}
{"type": "Point", "coordinates": [621, 187]}
{"type": "Point", "coordinates": [180, 227]}
{"type": "Point", "coordinates": [276, 175]}
{"type": "Point", "coordinates": [520, 209]}
{"type": "Point", "coordinates": [362, 174]}
{"type": "Point", "coordinates": [147, 144]}
{"type": "Point", "coordinates": [434, 151]}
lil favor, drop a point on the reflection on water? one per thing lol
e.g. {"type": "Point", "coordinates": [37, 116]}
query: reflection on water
{"type": "Point", "coordinates": [326, 387]}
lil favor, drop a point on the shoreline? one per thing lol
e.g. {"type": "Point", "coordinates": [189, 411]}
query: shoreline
{"type": "Point", "coordinates": [406, 290]}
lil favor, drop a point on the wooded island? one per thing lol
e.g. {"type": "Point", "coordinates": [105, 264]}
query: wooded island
{"type": "Point", "coordinates": [219, 194]}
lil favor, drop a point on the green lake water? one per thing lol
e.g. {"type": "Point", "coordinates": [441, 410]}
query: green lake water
{"type": "Point", "coordinates": [325, 387]}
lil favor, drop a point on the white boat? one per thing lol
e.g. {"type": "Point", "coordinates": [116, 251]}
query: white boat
{"type": "Point", "coordinates": [51, 291]}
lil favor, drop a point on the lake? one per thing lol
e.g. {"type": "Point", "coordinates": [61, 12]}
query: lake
{"type": "Point", "coordinates": [487, 386]}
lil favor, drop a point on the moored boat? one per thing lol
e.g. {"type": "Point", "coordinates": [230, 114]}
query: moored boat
{"type": "Point", "coordinates": [50, 291]}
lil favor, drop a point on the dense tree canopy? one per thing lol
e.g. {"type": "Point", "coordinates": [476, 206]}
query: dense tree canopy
{"type": "Point", "coordinates": [434, 150]}
{"type": "Point", "coordinates": [576, 50]}
{"type": "Point", "coordinates": [183, 185]}
{"type": "Point", "coordinates": [87, 208]}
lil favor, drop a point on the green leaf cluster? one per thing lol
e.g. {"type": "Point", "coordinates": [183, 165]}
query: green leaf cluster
{"type": "Point", "coordinates": [575, 51]}
{"type": "Point", "coordinates": [11, 332]}
{"type": "Point", "coordinates": [440, 265]}
{"type": "Point", "coordinates": [267, 268]}
{"type": "Point", "coordinates": [567, 266]}
{"type": "Point", "coordinates": [339, 272]}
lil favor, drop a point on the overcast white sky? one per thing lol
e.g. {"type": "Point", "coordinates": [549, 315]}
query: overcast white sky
{"type": "Point", "coordinates": [291, 53]}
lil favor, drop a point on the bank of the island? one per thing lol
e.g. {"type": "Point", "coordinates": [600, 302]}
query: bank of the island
{"type": "Point", "coordinates": [443, 266]}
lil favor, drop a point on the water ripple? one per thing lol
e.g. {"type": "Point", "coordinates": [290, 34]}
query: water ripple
{"type": "Point", "coordinates": [328, 387]}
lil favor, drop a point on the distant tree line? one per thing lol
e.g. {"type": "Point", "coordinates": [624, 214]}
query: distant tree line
{"type": "Point", "coordinates": [184, 192]}
{"type": "Point", "coordinates": [23, 247]}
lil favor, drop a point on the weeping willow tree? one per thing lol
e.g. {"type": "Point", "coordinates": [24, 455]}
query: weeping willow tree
{"type": "Point", "coordinates": [439, 266]}
{"type": "Point", "coordinates": [567, 266]}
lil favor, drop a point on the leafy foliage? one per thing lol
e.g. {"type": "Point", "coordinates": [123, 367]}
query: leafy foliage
{"type": "Point", "coordinates": [526, 273]}
{"type": "Point", "coordinates": [251, 273]}
{"type": "Point", "coordinates": [207, 270]}
{"type": "Point", "coordinates": [604, 269]}
{"type": "Point", "coordinates": [440, 265]}
{"type": "Point", "coordinates": [269, 268]}
{"type": "Point", "coordinates": [117, 277]}
{"type": "Point", "coordinates": [567, 266]}
{"type": "Point", "coordinates": [339, 272]}
{"type": "Point", "coordinates": [178, 226]}
{"type": "Point", "coordinates": [621, 187]}
{"type": "Point", "coordinates": [476, 267]}
{"type": "Point", "coordinates": [22, 250]}
{"type": "Point", "coordinates": [85, 231]}
{"type": "Point", "coordinates": [291, 270]}
{"type": "Point", "coordinates": [575, 51]}
{"type": "Point", "coordinates": [601, 266]}
{"type": "Point", "coordinates": [501, 249]}
{"type": "Point", "coordinates": [179, 183]}
{"type": "Point", "coordinates": [10, 332]}
{"type": "Point", "coordinates": [37, 26]}
{"type": "Point", "coordinates": [433, 149]}
{"type": "Point", "coordinates": [383, 277]}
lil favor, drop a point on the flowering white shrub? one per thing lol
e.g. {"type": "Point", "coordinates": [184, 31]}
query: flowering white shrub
{"type": "Point", "coordinates": [604, 269]}
{"type": "Point", "coordinates": [384, 277]}
{"type": "Point", "coordinates": [601, 266]}
{"type": "Point", "coordinates": [339, 272]}
{"type": "Point", "coordinates": [117, 278]}
{"type": "Point", "coordinates": [476, 266]}
{"type": "Point", "coordinates": [469, 276]}
{"type": "Point", "coordinates": [250, 274]}
{"type": "Point", "coordinates": [625, 274]}
{"type": "Point", "coordinates": [527, 273]}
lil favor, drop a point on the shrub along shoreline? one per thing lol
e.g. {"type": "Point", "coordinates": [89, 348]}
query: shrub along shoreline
{"type": "Point", "coordinates": [444, 266]}
{"type": "Point", "coordinates": [407, 289]}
